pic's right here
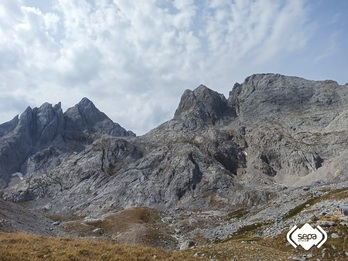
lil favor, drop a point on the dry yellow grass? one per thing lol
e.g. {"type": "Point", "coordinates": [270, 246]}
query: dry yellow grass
{"type": "Point", "coordinates": [20, 246]}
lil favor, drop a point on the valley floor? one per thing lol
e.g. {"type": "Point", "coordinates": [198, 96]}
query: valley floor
{"type": "Point", "coordinates": [258, 233]}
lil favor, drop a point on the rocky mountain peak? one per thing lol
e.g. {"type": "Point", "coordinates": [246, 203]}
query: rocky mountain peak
{"type": "Point", "coordinates": [262, 95]}
{"type": "Point", "coordinates": [7, 127]}
{"type": "Point", "coordinates": [85, 117]}
{"type": "Point", "coordinates": [26, 114]}
{"type": "Point", "coordinates": [86, 107]}
{"type": "Point", "coordinates": [49, 123]}
{"type": "Point", "coordinates": [85, 101]}
{"type": "Point", "coordinates": [203, 104]}
{"type": "Point", "coordinates": [33, 141]}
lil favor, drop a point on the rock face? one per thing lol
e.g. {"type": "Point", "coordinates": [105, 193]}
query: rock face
{"type": "Point", "coordinates": [215, 153]}
{"type": "Point", "coordinates": [287, 122]}
{"type": "Point", "coordinates": [35, 141]}
{"type": "Point", "coordinates": [204, 105]}
{"type": "Point", "coordinates": [86, 118]}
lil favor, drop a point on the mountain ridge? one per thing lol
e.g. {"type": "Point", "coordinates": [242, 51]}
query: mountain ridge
{"type": "Point", "coordinates": [38, 128]}
{"type": "Point", "coordinates": [216, 152]}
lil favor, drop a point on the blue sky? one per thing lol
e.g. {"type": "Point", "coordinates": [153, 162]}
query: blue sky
{"type": "Point", "coordinates": [134, 59]}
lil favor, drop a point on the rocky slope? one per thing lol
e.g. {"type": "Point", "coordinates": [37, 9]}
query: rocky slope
{"type": "Point", "coordinates": [292, 125]}
{"type": "Point", "coordinates": [14, 217]}
{"type": "Point", "coordinates": [273, 133]}
{"type": "Point", "coordinates": [40, 137]}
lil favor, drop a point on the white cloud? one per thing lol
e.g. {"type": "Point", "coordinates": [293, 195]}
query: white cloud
{"type": "Point", "coordinates": [135, 58]}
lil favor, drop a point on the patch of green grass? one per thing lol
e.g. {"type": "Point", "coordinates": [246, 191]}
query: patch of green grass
{"type": "Point", "coordinates": [246, 233]}
{"type": "Point", "coordinates": [336, 194]}
{"type": "Point", "coordinates": [63, 218]}
{"type": "Point", "coordinates": [237, 214]}
{"type": "Point", "coordinates": [293, 212]}
{"type": "Point", "coordinates": [333, 194]}
{"type": "Point", "coordinates": [250, 228]}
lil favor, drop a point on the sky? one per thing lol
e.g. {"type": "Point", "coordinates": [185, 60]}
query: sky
{"type": "Point", "coordinates": [134, 59]}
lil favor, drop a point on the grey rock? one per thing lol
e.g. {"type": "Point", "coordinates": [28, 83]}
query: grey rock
{"type": "Point", "coordinates": [14, 217]}
{"type": "Point", "coordinates": [98, 231]}
{"type": "Point", "coordinates": [203, 105]}
{"type": "Point", "coordinates": [335, 235]}
{"type": "Point", "coordinates": [314, 218]}
{"type": "Point", "coordinates": [39, 138]}
{"type": "Point", "coordinates": [36, 128]}
{"type": "Point", "coordinates": [187, 244]}
{"type": "Point", "coordinates": [85, 117]}
{"type": "Point", "coordinates": [276, 109]}
{"type": "Point", "coordinates": [310, 255]}
{"type": "Point", "coordinates": [7, 127]}
{"type": "Point", "coordinates": [327, 223]}
{"type": "Point", "coordinates": [47, 207]}
{"type": "Point", "coordinates": [297, 258]}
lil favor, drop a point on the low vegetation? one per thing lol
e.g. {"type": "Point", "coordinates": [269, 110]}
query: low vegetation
{"type": "Point", "coordinates": [141, 228]}
{"type": "Point", "coordinates": [329, 195]}
{"type": "Point", "coordinates": [335, 248]}
{"type": "Point", "coordinates": [244, 246]}
{"type": "Point", "coordinates": [293, 212]}
{"type": "Point", "coordinates": [237, 214]}
{"type": "Point", "coordinates": [19, 246]}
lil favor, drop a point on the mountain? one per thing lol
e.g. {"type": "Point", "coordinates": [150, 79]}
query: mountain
{"type": "Point", "coordinates": [274, 149]}
{"type": "Point", "coordinates": [41, 137]}
{"type": "Point", "coordinates": [215, 153]}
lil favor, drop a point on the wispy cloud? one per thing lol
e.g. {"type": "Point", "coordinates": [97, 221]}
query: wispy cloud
{"type": "Point", "coordinates": [331, 48]}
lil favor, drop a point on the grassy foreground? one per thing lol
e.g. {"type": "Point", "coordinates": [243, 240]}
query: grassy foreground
{"type": "Point", "coordinates": [242, 247]}
{"type": "Point", "coordinates": [20, 246]}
